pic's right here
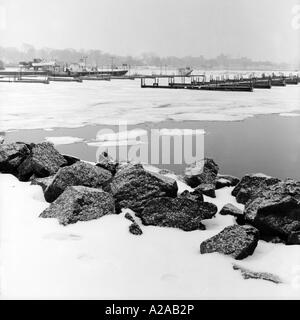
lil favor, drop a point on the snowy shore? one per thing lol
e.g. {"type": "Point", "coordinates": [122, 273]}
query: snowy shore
{"type": "Point", "coordinates": [101, 259]}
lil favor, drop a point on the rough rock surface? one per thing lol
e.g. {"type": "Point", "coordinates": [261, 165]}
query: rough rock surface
{"type": "Point", "coordinates": [230, 209]}
{"type": "Point", "coordinates": [133, 187]}
{"type": "Point", "coordinates": [203, 176]}
{"type": "Point", "coordinates": [44, 160]}
{"type": "Point", "coordinates": [43, 182]}
{"type": "Point", "coordinates": [11, 156]}
{"type": "Point", "coordinates": [251, 185]}
{"type": "Point", "coordinates": [208, 189]}
{"type": "Point", "coordinates": [275, 210]}
{"type": "Point", "coordinates": [80, 204]}
{"type": "Point", "coordinates": [236, 241]}
{"type": "Point", "coordinates": [181, 212]}
{"type": "Point", "coordinates": [195, 195]}
{"type": "Point", "coordinates": [79, 174]}
{"type": "Point", "coordinates": [248, 274]}
{"type": "Point", "coordinates": [135, 229]}
{"type": "Point", "coordinates": [107, 162]}
{"type": "Point", "coordinates": [226, 181]}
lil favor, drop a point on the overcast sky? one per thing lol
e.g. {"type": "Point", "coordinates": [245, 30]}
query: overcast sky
{"type": "Point", "coordinates": [259, 29]}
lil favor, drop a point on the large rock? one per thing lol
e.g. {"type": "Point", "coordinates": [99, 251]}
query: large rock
{"type": "Point", "coordinates": [133, 187]}
{"type": "Point", "coordinates": [79, 174]}
{"type": "Point", "coordinates": [11, 156]}
{"type": "Point", "coordinates": [226, 181]}
{"type": "Point", "coordinates": [181, 212]}
{"type": "Point", "coordinates": [203, 176]}
{"type": "Point", "coordinates": [80, 204]}
{"type": "Point", "coordinates": [275, 210]}
{"type": "Point", "coordinates": [251, 185]}
{"type": "Point", "coordinates": [44, 160]}
{"type": "Point", "coordinates": [236, 241]}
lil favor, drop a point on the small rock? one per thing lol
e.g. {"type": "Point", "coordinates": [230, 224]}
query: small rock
{"type": "Point", "coordinates": [129, 217]}
{"type": "Point", "coordinates": [133, 187]}
{"type": "Point", "coordinates": [80, 204]}
{"type": "Point", "coordinates": [201, 172]}
{"type": "Point", "coordinates": [230, 209]}
{"type": "Point", "coordinates": [135, 229]}
{"type": "Point", "coordinates": [79, 174]}
{"type": "Point", "coordinates": [11, 156]}
{"type": "Point", "coordinates": [107, 162]}
{"type": "Point", "coordinates": [1, 139]}
{"type": "Point", "coordinates": [236, 241]}
{"type": "Point", "coordinates": [182, 213]}
{"type": "Point", "coordinates": [248, 274]}
{"type": "Point", "coordinates": [44, 160]}
{"type": "Point", "coordinates": [208, 189]}
{"type": "Point", "coordinates": [226, 181]}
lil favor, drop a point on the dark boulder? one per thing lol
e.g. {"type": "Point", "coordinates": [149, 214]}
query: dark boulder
{"type": "Point", "coordinates": [135, 229]}
{"type": "Point", "coordinates": [248, 274]}
{"type": "Point", "coordinates": [203, 176]}
{"type": "Point", "coordinates": [226, 181]}
{"type": "Point", "coordinates": [79, 174]}
{"type": "Point", "coordinates": [44, 160]}
{"type": "Point", "coordinates": [42, 182]}
{"type": "Point", "coordinates": [107, 162]}
{"type": "Point", "coordinates": [275, 210]}
{"type": "Point", "coordinates": [230, 209]}
{"type": "Point", "coordinates": [251, 185]}
{"type": "Point", "coordinates": [80, 204]}
{"type": "Point", "coordinates": [181, 212]}
{"type": "Point", "coordinates": [133, 187]}
{"type": "Point", "coordinates": [236, 241]}
{"type": "Point", "coordinates": [11, 156]}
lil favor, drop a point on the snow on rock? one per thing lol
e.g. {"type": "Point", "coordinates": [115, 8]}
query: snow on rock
{"type": "Point", "coordinates": [101, 259]}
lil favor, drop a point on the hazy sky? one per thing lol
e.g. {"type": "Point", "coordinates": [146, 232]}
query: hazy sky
{"type": "Point", "coordinates": [259, 29]}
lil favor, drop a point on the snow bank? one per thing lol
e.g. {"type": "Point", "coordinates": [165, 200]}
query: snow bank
{"type": "Point", "coordinates": [101, 259]}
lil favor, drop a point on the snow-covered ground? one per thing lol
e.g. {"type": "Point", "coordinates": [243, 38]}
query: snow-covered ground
{"type": "Point", "coordinates": [101, 259]}
{"type": "Point", "coordinates": [69, 105]}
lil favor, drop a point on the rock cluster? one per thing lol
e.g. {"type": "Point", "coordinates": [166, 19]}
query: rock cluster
{"type": "Point", "coordinates": [271, 205]}
{"type": "Point", "coordinates": [81, 191]}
